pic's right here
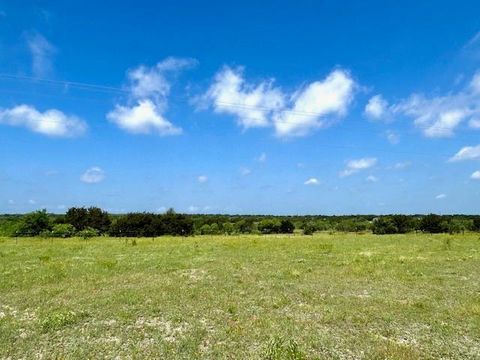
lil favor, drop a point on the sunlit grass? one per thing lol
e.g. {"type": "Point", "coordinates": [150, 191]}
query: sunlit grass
{"type": "Point", "coordinates": [278, 297]}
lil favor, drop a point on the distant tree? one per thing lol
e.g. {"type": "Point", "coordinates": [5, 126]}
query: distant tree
{"type": "Point", "coordinates": [476, 223]}
{"type": "Point", "coordinates": [269, 226]}
{"type": "Point", "coordinates": [78, 217]}
{"type": "Point", "coordinates": [228, 228]}
{"type": "Point", "coordinates": [432, 223]}
{"type": "Point", "coordinates": [205, 229]}
{"type": "Point", "coordinates": [309, 228]}
{"type": "Point", "coordinates": [244, 226]}
{"type": "Point", "coordinates": [98, 219]}
{"type": "Point", "coordinates": [403, 223]}
{"type": "Point", "coordinates": [384, 225]}
{"type": "Point", "coordinates": [34, 223]}
{"type": "Point", "coordinates": [453, 226]}
{"type": "Point", "coordinates": [63, 230]}
{"type": "Point", "coordinates": [286, 227]}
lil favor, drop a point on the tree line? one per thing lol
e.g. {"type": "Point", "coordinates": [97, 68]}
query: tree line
{"type": "Point", "coordinates": [93, 221]}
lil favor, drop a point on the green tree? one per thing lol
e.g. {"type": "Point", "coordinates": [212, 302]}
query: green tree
{"type": "Point", "coordinates": [34, 223]}
{"type": "Point", "coordinates": [286, 227]}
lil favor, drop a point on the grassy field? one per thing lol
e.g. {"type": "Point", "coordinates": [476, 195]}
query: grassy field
{"type": "Point", "coordinates": [242, 297]}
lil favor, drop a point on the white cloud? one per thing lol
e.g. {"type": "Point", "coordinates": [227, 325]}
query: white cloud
{"type": "Point", "coordinates": [439, 116]}
{"type": "Point", "coordinates": [51, 122]}
{"type": "Point", "coordinates": [202, 179]}
{"type": "Point", "coordinates": [401, 165]}
{"type": "Point", "coordinates": [371, 178]}
{"type": "Point", "coordinates": [149, 88]}
{"type": "Point", "coordinates": [251, 104]}
{"type": "Point", "coordinates": [262, 104]}
{"type": "Point", "coordinates": [312, 181]}
{"type": "Point", "coordinates": [93, 175]}
{"type": "Point", "coordinates": [144, 118]}
{"type": "Point", "coordinates": [354, 166]}
{"type": "Point", "coordinates": [314, 103]}
{"type": "Point", "coordinates": [42, 55]}
{"type": "Point", "coordinates": [11, 202]}
{"type": "Point", "coordinates": [377, 108]}
{"type": "Point", "coordinates": [32, 202]}
{"type": "Point", "coordinates": [245, 171]}
{"type": "Point", "coordinates": [440, 196]}
{"type": "Point", "coordinates": [466, 153]}
{"type": "Point", "coordinates": [475, 175]}
{"type": "Point", "coordinates": [474, 124]}
{"type": "Point", "coordinates": [392, 137]}
{"type": "Point", "coordinates": [262, 158]}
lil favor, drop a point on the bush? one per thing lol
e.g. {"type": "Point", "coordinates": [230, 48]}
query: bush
{"type": "Point", "coordinates": [62, 230]}
{"type": "Point", "coordinates": [87, 233]}
{"type": "Point", "coordinates": [309, 228]}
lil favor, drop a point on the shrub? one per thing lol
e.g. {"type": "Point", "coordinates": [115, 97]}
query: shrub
{"type": "Point", "coordinates": [62, 230]}
{"type": "Point", "coordinates": [309, 228]}
{"type": "Point", "coordinates": [87, 233]}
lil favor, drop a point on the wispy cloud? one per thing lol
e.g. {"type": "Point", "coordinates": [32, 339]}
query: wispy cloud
{"type": "Point", "coordinates": [437, 116]}
{"type": "Point", "coordinates": [93, 175]}
{"type": "Point", "coordinates": [312, 181]}
{"type": "Point", "coordinates": [42, 55]}
{"type": "Point", "coordinates": [466, 153]}
{"type": "Point", "coordinates": [354, 166]}
{"type": "Point", "coordinates": [440, 196]}
{"type": "Point", "coordinates": [202, 179]}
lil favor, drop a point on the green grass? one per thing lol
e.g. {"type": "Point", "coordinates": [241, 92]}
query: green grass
{"type": "Point", "coordinates": [242, 297]}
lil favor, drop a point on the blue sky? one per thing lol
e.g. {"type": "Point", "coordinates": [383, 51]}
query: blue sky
{"type": "Point", "coordinates": [283, 107]}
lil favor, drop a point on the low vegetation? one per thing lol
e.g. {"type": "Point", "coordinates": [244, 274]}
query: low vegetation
{"type": "Point", "coordinates": [325, 296]}
{"type": "Point", "coordinates": [87, 222]}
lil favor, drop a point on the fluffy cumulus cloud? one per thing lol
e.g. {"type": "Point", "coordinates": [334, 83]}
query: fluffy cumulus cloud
{"type": "Point", "coordinates": [93, 175]}
{"type": "Point", "coordinates": [437, 116]}
{"type": "Point", "coordinates": [312, 181]}
{"type": "Point", "coordinates": [475, 175]}
{"type": "Point", "coordinates": [252, 105]}
{"type": "Point", "coordinates": [42, 55]}
{"type": "Point", "coordinates": [467, 153]}
{"type": "Point", "coordinates": [148, 90]}
{"type": "Point", "coordinates": [296, 114]}
{"type": "Point", "coordinates": [354, 166]}
{"type": "Point", "coordinates": [51, 122]}
{"type": "Point", "coordinates": [143, 118]}
{"type": "Point", "coordinates": [377, 108]}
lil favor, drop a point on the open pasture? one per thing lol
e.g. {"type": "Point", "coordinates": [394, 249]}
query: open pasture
{"type": "Point", "coordinates": [340, 296]}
